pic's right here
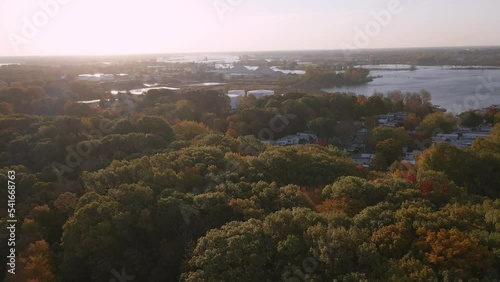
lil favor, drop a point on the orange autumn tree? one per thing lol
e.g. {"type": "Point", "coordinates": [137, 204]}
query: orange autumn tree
{"type": "Point", "coordinates": [437, 188]}
{"type": "Point", "coordinates": [37, 262]}
{"type": "Point", "coordinates": [348, 206]}
{"type": "Point", "coordinates": [454, 253]}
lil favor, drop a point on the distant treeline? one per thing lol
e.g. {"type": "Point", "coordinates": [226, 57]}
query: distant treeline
{"type": "Point", "coordinates": [321, 77]}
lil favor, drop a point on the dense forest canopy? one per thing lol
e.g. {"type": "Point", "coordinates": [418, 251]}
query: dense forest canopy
{"type": "Point", "coordinates": [178, 186]}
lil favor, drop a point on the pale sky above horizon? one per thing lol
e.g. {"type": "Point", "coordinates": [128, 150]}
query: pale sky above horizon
{"type": "Point", "coordinates": [93, 27]}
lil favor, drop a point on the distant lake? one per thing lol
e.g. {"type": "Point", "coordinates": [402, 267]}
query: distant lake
{"type": "Point", "coordinates": [456, 90]}
{"type": "Point", "coordinates": [9, 64]}
{"type": "Point", "coordinates": [144, 90]}
{"type": "Point", "coordinates": [200, 58]}
{"type": "Point", "coordinates": [207, 84]}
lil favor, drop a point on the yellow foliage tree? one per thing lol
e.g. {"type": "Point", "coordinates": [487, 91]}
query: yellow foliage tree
{"type": "Point", "coordinates": [454, 252]}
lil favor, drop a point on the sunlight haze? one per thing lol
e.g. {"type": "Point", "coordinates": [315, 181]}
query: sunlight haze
{"type": "Point", "coordinates": [126, 27]}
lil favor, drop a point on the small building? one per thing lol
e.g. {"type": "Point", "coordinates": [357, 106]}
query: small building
{"type": "Point", "coordinates": [237, 92]}
{"type": "Point", "coordinates": [232, 76]}
{"type": "Point", "coordinates": [364, 160]}
{"type": "Point", "coordinates": [409, 158]}
{"type": "Point", "coordinates": [260, 93]}
{"type": "Point", "coordinates": [308, 137]}
{"type": "Point", "coordinates": [485, 128]}
{"type": "Point", "coordinates": [299, 138]}
{"type": "Point", "coordinates": [91, 103]}
{"type": "Point", "coordinates": [288, 140]}
{"type": "Point", "coordinates": [392, 119]}
{"type": "Point", "coordinates": [235, 101]}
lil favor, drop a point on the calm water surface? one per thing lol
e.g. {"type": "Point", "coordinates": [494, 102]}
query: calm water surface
{"type": "Point", "coordinates": [456, 90]}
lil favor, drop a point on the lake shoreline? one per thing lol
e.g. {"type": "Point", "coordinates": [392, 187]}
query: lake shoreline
{"type": "Point", "coordinates": [454, 91]}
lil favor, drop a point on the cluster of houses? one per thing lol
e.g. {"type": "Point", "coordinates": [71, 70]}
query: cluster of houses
{"type": "Point", "coordinates": [392, 119]}
{"type": "Point", "coordinates": [299, 138]}
{"type": "Point", "coordinates": [102, 77]}
{"type": "Point", "coordinates": [366, 160]}
{"type": "Point", "coordinates": [463, 137]}
{"type": "Point", "coordinates": [358, 141]}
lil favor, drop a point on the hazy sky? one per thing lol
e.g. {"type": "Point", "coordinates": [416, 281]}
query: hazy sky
{"type": "Point", "coordinates": [81, 27]}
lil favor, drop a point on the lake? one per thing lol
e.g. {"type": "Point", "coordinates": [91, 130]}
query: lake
{"type": "Point", "coordinates": [200, 58]}
{"type": "Point", "coordinates": [9, 64]}
{"type": "Point", "coordinates": [207, 84]}
{"type": "Point", "coordinates": [144, 90]}
{"type": "Point", "coordinates": [456, 90]}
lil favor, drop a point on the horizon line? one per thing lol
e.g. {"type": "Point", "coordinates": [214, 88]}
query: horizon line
{"type": "Point", "coordinates": [247, 52]}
